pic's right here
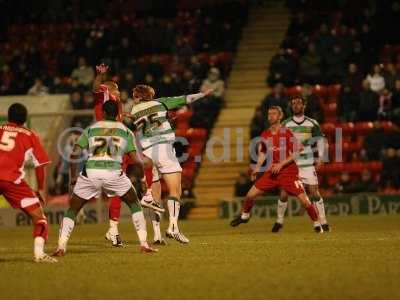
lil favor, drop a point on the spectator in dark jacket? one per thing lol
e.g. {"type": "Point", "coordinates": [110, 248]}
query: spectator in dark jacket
{"type": "Point", "coordinates": [366, 184]}
{"type": "Point", "coordinates": [349, 96]}
{"type": "Point", "coordinates": [345, 185]}
{"type": "Point", "coordinates": [276, 98]}
{"type": "Point", "coordinates": [282, 68]}
{"type": "Point", "coordinates": [369, 103]}
{"type": "Point", "coordinates": [313, 108]}
{"type": "Point", "coordinates": [258, 123]}
{"type": "Point", "coordinates": [391, 168]}
{"type": "Point", "coordinates": [374, 143]}
{"type": "Point", "coordinates": [310, 66]}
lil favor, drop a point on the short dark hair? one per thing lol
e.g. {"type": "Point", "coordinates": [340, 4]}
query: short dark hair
{"type": "Point", "coordinates": [110, 109]}
{"type": "Point", "coordinates": [17, 113]}
{"type": "Point", "coordinates": [303, 100]}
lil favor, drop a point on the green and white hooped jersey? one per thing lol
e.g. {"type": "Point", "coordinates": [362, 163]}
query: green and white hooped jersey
{"type": "Point", "coordinates": [150, 120]}
{"type": "Point", "coordinates": [106, 142]}
{"type": "Point", "coordinates": [303, 132]}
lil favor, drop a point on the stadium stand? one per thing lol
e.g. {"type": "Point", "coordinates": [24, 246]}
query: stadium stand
{"type": "Point", "coordinates": [177, 50]}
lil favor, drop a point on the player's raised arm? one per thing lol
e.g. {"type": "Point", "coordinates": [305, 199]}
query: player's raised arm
{"type": "Point", "coordinates": [101, 71]}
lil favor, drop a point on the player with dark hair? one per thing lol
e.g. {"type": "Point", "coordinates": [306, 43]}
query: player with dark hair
{"type": "Point", "coordinates": [308, 132]}
{"type": "Point", "coordinates": [279, 149]}
{"type": "Point", "coordinates": [106, 142]}
{"type": "Point", "coordinates": [19, 144]}
{"type": "Point", "coordinates": [103, 91]}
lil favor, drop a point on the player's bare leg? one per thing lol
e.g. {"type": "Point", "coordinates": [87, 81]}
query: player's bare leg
{"type": "Point", "coordinates": [173, 182]}
{"type": "Point", "coordinates": [248, 204]}
{"type": "Point", "coordinates": [311, 210]}
{"type": "Point", "coordinates": [156, 215]}
{"type": "Point", "coordinates": [68, 224]}
{"type": "Point", "coordinates": [314, 193]}
{"type": "Point", "coordinates": [40, 235]}
{"type": "Point", "coordinates": [280, 211]}
{"type": "Point", "coordinates": [138, 220]}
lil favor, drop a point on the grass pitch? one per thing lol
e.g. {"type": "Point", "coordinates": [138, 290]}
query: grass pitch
{"type": "Point", "coordinates": [359, 259]}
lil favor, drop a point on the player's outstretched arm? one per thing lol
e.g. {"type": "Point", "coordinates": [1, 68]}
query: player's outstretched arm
{"type": "Point", "coordinates": [180, 101]}
{"type": "Point", "coordinates": [101, 71]}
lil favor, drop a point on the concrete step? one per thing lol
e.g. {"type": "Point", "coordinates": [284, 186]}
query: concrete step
{"type": "Point", "coordinates": [247, 84]}
{"type": "Point", "coordinates": [244, 104]}
{"type": "Point", "coordinates": [203, 213]}
{"type": "Point", "coordinates": [227, 182]}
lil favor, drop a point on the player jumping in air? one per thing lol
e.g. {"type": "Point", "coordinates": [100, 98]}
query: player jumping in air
{"type": "Point", "coordinates": [104, 90]}
{"type": "Point", "coordinates": [156, 138]}
{"type": "Point", "coordinates": [17, 145]}
{"type": "Point", "coordinates": [279, 148]}
{"type": "Point", "coordinates": [106, 142]}
{"type": "Point", "coordinates": [308, 132]}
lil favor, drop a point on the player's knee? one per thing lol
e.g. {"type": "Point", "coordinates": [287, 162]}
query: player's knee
{"type": "Point", "coordinates": [40, 228]}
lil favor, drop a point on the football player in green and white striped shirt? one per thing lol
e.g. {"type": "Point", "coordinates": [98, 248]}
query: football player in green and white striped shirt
{"type": "Point", "coordinates": [106, 142]}
{"type": "Point", "coordinates": [156, 137]}
{"type": "Point", "coordinates": [308, 132]}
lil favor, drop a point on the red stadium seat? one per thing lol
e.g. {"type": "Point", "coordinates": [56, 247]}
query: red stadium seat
{"type": "Point", "coordinates": [328, 128]}
{"type": "Point", "coordinates": [294, 91]}
{"type": "Point", "coordinates": [387, 126]}
{"type": "Point", "coordinates": [363, 128]}
{"type": "Point", "coordinates": [334, 90]}
{"type": "Point", "coordinates": [320, 91]}
{"type": "Point", "coordinates": [374, 166]}
{"type": "Point", "coordinates": [355, 167]}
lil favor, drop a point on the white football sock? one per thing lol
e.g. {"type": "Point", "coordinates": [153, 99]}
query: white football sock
{"type": "Point", "coordinates": [173, 209]}
{"type": "Point", "coordinates": [156, 220]}
{"type": "Point", "coordinates": [280, 211]}
{"type": "Point", "coordinates": [38, 246]}
{"type": "Point", "coordinates": [321, 211]}
{"type": "Point", "coordinates": [113, 227]}
{"type": "Point", "coordinates": [67, 226]}
{"type": "Point", "coordinates": [140, 225]}
{"type": "Point", "coordinates": [245, 216]}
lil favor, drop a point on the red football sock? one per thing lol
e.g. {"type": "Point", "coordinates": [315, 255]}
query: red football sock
{"type": "Point", "coordinates": [114, 210]}
{"type": "Point", "coordinates": [248, 205]}
{"type": "Point", "coordinates": [40, 228]}
{"type": "Point", "coordinates": [312, 212]}
{"type": "Point", "coordinates": [148, 172]}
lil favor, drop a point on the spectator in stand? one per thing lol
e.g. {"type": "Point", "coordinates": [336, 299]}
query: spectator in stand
{"type": "Point", "coordinates": [374, 143]}
{"type": "Point", "coordinates": [6, 81]}
{"type": "Point", "coordinates": [391, 75]}
{"type": "Point", "coordinates": [349, 95]}
{"type": "Point", "coordinates": [242, 185]}
{"type": "Point", "coordinates": [395, 114]}
{"type": "Point", "coordinates": [154, 67]}
{"type": "Point", "coordinates": [258, 123]}
{"type": "Point", "coordinates": [344, 185]}
{"type": "Point", "coordinates": [313, 107]}
{"type": "Point", "coordinates": [366, 184]}
{"type": "Point", "coordinates": [324, 41]}
{"type": "Point", "coordinates": [282, 68]}
{"type": "Point", "coordinates": [369, 103]}
{"type": "Point", "coordinates": [376, 79]}
{"type": "Point", "coordinates": [335, 65]}
{"type": "Point", "coordinates": [191, 83]}
{"type": "Point", "coordinates": [62, 179]}
{"type": "Point", "coordinates": [167, 87]}
{"type": "Point", "coordinates": [128, 81]}
{"type": "Point", "coordinates": [214, 82]}
{"type": "Point", "coordinates": [84, 74]}
{"type": "Point", "coordinates": [76, 100]}
{"type": "Point", "coordinates": [38, 89]}
{"type": "Point", "coordinates": [276, 98]}
{"type": "Point", "coordinates": [310, 66]}
{"type": "Point", "coordinates": [385, 104]}
{"type": "Point", "coordinates": [126, 101]}
{"type": "Point", "coordinates": [391, 169]}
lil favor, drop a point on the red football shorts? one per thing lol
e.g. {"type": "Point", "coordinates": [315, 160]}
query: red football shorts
{"type": "Point", "coordinates": [19, 195]}
{"type": "Point", "coordinates": [287, 181]}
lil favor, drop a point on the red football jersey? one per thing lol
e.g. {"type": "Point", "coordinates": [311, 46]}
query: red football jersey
{"type": "Point", "coordinates": [17, 145]}
{"type": "Point", "coordinates": [278, 146]}
{"type": "Point", "coordinates": [99, 98]}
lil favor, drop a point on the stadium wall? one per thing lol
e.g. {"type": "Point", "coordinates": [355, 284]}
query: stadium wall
{"type": "Point", "coordinates": [343, 205]}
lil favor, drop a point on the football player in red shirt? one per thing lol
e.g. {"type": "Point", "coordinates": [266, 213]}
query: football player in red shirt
{"type": "Point", "coordinates": [279, 147]}
{"type": "Point", "coordinates": [108, 90]}
{"type": "Point", "coordinates": [19, 144]}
